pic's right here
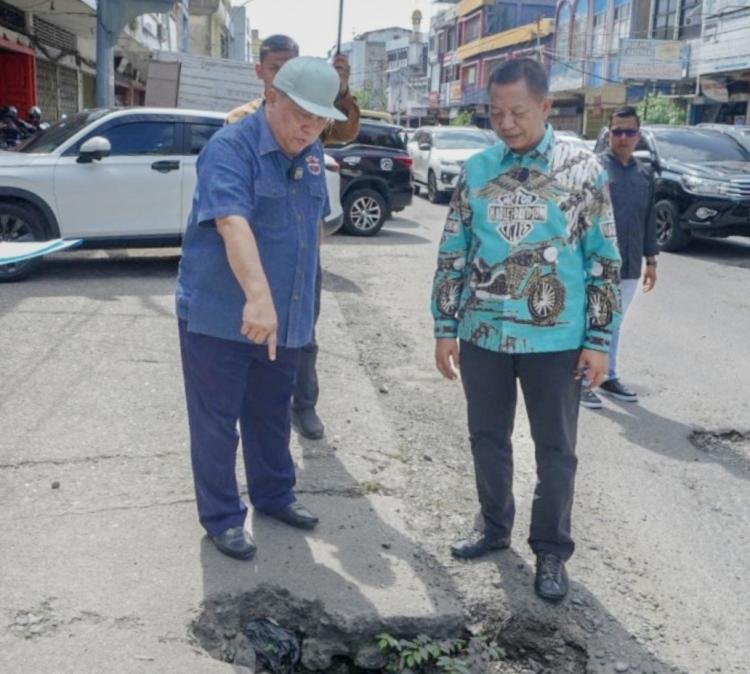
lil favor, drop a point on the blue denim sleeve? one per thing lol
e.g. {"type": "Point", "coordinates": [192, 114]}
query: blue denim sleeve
{"type": "Point", "coordinates": [225, 183]}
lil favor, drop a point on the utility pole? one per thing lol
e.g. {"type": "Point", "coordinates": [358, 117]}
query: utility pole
{"type": "Point", "coordinates": [539, 38]}
{"type": "Point", "coordinates": [111, 18]}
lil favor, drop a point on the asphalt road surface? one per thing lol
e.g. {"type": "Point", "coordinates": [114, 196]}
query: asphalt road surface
{"type": "Point", "coordinates": [660, 575]}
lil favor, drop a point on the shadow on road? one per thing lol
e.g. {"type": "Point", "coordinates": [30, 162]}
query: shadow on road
{"type": "Point", "coordinates": [578, 635]}
{"type": "Point", "coordinates": [667, 437]}
{"type": "Point", "coordinates": [732, 252]}
{"type": "Point", "coordinates": [385, 237]}
{"type": "Point", "coordinates": [91, 275]}
{"type": "Point", "coordinates": [339, 284]}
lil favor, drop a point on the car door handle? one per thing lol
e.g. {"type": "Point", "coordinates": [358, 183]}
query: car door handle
{"type": "Point", "coordinates": [165, 166]}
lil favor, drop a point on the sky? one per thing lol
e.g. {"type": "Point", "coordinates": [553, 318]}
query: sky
{"type": "Point", "coordinates": [314, 23]}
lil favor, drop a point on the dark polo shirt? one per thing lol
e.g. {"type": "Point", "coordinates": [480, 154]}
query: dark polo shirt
{"type": "Point", "coordinates": [631, 189]}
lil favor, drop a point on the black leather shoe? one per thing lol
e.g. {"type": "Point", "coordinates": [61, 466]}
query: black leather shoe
{"type": "Point", "coordinates": [476, 544]}
{"type": "Point", "coordinates": [235, 542]}
{"type": "Point", "coordinates": [551, 582]}
{"type": "Point", "coordinates": [296, 515]}
{"type": "Point", "coordinates": [308, 423]}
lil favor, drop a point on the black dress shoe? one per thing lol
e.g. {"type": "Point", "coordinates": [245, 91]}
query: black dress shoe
{"type": "Point", "coordinates": [296, 515]}
{"type": "Point", "coordinates": [476, 544]}
{"type": "Point", "coordinates": [308, 423]}
{"type": "Point", "coordinates": [551, 581]}
{"type": "Point", "coordinates": [235, 542]}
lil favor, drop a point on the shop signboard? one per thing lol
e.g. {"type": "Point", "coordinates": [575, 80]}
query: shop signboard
{"type": "Point", "coordinates": [650, 59]}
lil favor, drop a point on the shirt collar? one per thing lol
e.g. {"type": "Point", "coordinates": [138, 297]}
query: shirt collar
{"type": "Point", "coordinates": [267, 142]}
{"type": "Point", "coordinates": [543, 149]}
{"type": "Point", "coordinates": [616, 161]}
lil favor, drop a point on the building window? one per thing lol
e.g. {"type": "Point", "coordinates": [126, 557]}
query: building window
{"type": "Point", "coordinates": [470, 76]}
{"type": "Point", "coordinates": [530, 13]}
{"type": "Point", "coordinates": [665, 19]}
{"type": "Point", "coordinates": [472, 29]}
{"type": "Point", "coordinates": [500, 17]}
{"type": "Point", "coordinates": [599, 33]}
{"type": "Point", "coordinates": [579, 37]}
{"type": "Point", "coordinates": [621, 27]}
{"type": "Point", "coordinates": [450, 39]}
{"type": "Point", "coordinates": [690, 24]}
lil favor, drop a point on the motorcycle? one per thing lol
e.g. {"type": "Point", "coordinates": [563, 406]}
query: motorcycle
{"type": "Point", "coordinates": [14, 131]}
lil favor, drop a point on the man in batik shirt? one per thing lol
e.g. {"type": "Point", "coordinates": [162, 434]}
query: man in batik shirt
{"type": "Point", "coordinates": [526, 288]}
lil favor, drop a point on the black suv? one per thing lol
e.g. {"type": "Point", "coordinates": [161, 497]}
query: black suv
{"type": "Point", "coordinates": [702, 182]}
{"type": "Point", "coordinates": [375, 176]}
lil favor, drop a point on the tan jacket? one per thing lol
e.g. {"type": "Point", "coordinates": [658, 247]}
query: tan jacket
{"type": "Point", "coordinates": [335, 132]}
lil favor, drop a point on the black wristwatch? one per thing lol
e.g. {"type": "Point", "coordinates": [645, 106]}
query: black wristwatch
{"type": "Point", "coordinates": [651, 263]}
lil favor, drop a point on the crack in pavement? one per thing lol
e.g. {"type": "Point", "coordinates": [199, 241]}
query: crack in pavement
{"type": "Point", "coordinates": [88, 459]}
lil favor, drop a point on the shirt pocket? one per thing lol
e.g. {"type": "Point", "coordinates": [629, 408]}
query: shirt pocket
{"type": "Point", "coordinates": [270, 211]}
{"type": "Point", "coordinates": [317, 193]}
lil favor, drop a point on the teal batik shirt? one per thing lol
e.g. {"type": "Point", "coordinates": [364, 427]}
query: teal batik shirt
{"type": "Point", "coordinates": [528, 261]}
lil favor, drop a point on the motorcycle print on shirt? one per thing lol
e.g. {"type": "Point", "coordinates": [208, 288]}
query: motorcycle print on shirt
{"type": "Point", "coordinates": [529, 272]}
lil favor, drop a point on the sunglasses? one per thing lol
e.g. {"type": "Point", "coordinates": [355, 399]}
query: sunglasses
{"type": "Point", "coordinates": [619, 133]}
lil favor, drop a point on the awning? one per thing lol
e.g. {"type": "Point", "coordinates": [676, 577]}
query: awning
{"type": "Point", "coordinates": [14, 46]}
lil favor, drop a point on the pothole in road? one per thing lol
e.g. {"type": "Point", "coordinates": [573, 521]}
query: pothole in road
{"type": "Point", "coordinates": [346, 645]}
{"type": "Point", "coordinates": [731, 446]}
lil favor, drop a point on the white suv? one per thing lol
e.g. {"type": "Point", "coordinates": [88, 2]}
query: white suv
{"type": "Point", "coordinates": [113, 178]}
{"type": "Point", "coordinates": [438, 152]}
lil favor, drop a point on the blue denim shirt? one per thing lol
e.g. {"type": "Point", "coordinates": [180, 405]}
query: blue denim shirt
{"type": "Point", "coordinates": [242, 171]}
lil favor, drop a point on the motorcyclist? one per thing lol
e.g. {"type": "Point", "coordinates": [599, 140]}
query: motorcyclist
{"type": "Point", "coordinates": [35, 116]}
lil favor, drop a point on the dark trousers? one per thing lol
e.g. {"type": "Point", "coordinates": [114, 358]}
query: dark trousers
{"type": "Point", "coordinates": [552, 400]}
{"type": "Point", "coordinates": [227, 382]}
{"type": "Point", "coordinates": [306, 393]}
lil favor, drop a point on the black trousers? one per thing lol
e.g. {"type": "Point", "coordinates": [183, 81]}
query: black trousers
{"type": "Point", "coordinates": [552, 399]}
{"type": "Point", "coordinates": [307, 389]}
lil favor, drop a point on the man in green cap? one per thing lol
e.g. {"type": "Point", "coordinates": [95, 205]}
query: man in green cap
{"type": "Point", "coordinates": [245, 296]}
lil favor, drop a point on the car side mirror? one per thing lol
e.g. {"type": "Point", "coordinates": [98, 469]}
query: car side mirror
{"type": "Point", "coordinates": [425, 146]}
{"type": "Point", "coordinates": [645, 156]}
{"type": "Point", "coordinates": [95, 148]}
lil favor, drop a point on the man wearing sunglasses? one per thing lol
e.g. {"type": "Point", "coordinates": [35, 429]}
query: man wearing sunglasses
{"type": "Point", "coordinates": [631, 187]}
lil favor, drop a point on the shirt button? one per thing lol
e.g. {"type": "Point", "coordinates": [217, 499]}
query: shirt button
{"type": "Point", "coordinates": [303, 245]}
{"type": "Point", "coordinates": [296, 298]}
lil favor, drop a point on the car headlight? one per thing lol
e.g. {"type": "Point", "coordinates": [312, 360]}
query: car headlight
{"type": "Point", "coordinates": [705, 186]}
{"type": "Point", "coordinates": [449, 164]}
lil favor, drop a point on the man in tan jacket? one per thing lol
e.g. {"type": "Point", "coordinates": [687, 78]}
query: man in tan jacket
{"type": "Point", "coordinates": [275, 51]}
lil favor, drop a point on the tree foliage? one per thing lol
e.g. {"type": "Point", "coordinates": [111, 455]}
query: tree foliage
{"type": "Point", "coordinates": [463, 118]}
{"type": "Point", "coordinates": [659, 109]}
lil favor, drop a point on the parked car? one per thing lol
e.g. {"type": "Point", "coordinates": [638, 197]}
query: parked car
{"type": "Point", "coordinates": [439, 152]}
{"type": "Point", "coordinates": [376, 177]}
{"type": "Point", "coordinates": [702, 182]}
{"type": "Point", "coordinates": [114, 178]}
{"type": "Point", "coordinates": [741, 133]}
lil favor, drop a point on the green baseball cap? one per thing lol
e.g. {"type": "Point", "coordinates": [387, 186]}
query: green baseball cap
{"type": "Point", "coordinates": [312, 83]}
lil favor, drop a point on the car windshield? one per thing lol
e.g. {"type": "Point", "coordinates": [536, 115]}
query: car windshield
{"type": "Point", "coordinates": [696, 146]}
{"type": "Point", "coordinates": [57, 134]}
{"type": "Point", "coordinates": [464, 139]}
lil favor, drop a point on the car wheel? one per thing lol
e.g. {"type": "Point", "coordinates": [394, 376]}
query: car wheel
{"type": "Point", "coordinates": [20, 223]}
{"type": "Point", "coordinates": [364, 212]}
{"type": "Point", "coordinates": [433, 195]}
{"type": "Point", "coordinates": [669, 235]}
